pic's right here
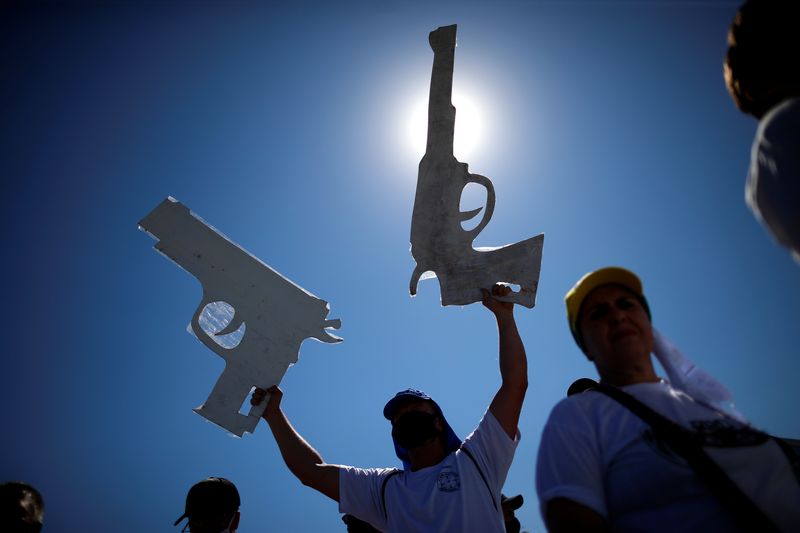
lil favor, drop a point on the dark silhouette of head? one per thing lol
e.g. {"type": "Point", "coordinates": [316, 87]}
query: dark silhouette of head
{"type": "Point", "coordinates": [212, 505]}
{"type": "Point", "coordinates": [763, 53]}
{"type": "Point", "coordinates": [21, 508]}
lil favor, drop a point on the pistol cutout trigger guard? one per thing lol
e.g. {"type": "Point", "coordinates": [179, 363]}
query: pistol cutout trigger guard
{"type": "Point", "coordinates": [488, 210]}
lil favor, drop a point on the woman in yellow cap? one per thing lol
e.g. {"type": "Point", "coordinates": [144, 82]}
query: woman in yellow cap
{"type": "Point", "coordinates": [639, 453]}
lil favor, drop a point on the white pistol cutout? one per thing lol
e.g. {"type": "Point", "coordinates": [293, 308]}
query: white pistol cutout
{"type": "Point", "coordinates": [276, 314]}
{"type": "Point", "coordinates": [438, 241]}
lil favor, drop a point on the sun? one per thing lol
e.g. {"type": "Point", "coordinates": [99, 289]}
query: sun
{"type": "Point", "coordinates": [469, 126]}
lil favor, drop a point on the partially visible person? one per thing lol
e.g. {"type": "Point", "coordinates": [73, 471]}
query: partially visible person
{"type": "Point", "coordinates": [21, 508]}
{"type": "Point", "coordinates": [639, 453]}
{"type": "Point", "coordinates": [762, 75]}
{"type": "Point", "coordinates": [355, 525]}
{"type": "Point", "coordinates": [510, 505]}
{"type": "Point", "coordinates": [446, 484]}
{"type": "Point", "coordinates": [212, 506]}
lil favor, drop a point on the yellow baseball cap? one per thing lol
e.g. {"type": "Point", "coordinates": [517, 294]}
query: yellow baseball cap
{"type": "Point", "coordinates": [589, 282]}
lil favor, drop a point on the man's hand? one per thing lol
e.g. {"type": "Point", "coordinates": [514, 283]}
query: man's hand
{"type": "Point", "coordinates": [274, 403]}
{"type": "Point", "coordinates": [496, 306]}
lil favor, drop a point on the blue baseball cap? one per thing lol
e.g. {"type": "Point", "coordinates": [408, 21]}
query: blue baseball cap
{"type": "Point", "coordinates": [412, 395]}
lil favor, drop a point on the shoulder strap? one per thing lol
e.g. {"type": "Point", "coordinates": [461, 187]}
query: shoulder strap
{"type": "Point", "coordinates": [488, 487]}
{"type": "Point", "coordinates": [791, 449]}
{"type": "Point", "coordinates": [686, 444]}
{"type": "Point", "coordinates": [383, 491]}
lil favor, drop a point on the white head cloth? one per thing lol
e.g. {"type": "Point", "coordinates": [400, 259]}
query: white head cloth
{"type": "Point", "coordinates": [694, 381]}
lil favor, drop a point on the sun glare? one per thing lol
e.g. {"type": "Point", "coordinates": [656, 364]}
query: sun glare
{"type": "Point", "coordinates": [469, 127]}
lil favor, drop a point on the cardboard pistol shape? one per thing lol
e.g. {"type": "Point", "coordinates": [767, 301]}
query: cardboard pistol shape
{"type": "Point", "coordinates": [278, 315]}
{"type": "Point", "coordinates": [438, 241]}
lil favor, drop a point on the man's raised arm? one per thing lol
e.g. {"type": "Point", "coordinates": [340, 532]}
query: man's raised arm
{"type": "Point", "coordinates": [303, 460]}
{"type": "Point", "coordinates": [507, 403]}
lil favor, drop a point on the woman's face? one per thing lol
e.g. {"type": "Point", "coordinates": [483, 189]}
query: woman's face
{"type": "Point", "coordinates": [615, 328]}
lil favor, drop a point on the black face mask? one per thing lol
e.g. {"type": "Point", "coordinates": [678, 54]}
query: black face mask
{"type": "Point", "coordinates": [414, 428]}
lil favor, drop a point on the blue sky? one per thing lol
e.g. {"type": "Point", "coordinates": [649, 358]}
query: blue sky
{"type": "Point", "coordinates": [606, 125]}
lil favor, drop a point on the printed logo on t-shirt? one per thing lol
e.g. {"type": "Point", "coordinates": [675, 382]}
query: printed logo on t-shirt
{"type": "Point", "coordinates": [716, 433]}
{"type": "Point", "coordinates": [448, 481]}
{"type": "Point", "coordinates": [727, 433]}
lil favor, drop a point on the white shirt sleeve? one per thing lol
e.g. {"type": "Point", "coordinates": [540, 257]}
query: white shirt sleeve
{"type": "Point", "coordinates": [493, 450]}
{"type": "Point", "coordinates": [360, 494]}
{"type": "Point", "coordinates": [569, 464]}
{"type": "Point", "coordinates": [773, 187]}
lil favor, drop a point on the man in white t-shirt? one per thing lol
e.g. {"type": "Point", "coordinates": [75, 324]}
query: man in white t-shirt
{"type": "Point", "coordinates": [445, 484]}
{"type": "Point", "coordinates": [763, 79]}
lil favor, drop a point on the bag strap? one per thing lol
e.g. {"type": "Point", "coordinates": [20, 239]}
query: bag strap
{"type": "Point", "coordinates": [488, 487]}
{"type": "Point", "coordinates": [688, 445]}
{"type": "Point", "coordinates": [791, 449]}
{"type": "Point", "coordinates": [383, 491]}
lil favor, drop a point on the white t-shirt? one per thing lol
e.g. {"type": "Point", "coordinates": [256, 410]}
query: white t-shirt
{"type": "Point", "coordinates": [773, 185]}
{"type": "Point", "coordinates": [596, 452]}
{"type": "Point", "coordinates": [449, 496]}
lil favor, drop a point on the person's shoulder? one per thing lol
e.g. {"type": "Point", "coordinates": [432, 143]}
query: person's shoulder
{"type": "Point", "coordinates": [580, 405]}
{"type": "Point", "coordinates": [782, 119]}
{"type": "Point", "coordinates": [658, 391]}
{"type": "Point", "coordinates": [581, 414]}
{"type": "Point", "coordinates": [365, 472]}
{"type": "Point", "coordinates": [489, 427]}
